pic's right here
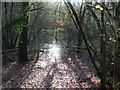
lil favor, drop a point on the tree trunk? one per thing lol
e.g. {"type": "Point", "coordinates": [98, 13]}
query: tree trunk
{"type": "Point", "coordinates": [117, 53]}
{"type": "Point", "coordinates": [79, 27]}
{"type": "Point", "coordinates": [79, 42]}
{"type": "Point", "coordinates": [22, 47]}
{"type": "Point", "coordinates": [103, 53]}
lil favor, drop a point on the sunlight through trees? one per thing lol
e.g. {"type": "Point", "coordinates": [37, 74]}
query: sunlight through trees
{"type": "Point", "coordinates": [61, 44]}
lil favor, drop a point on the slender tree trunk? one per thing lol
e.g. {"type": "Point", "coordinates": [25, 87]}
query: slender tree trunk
{"type": "Point", "coordinates": [103, 53]}
{"type": "Point", "coordinates": [78, 23]}
{"type": "Point", "coordinates": [79, 42]}
{"type": "Point", "coordinates": [117, 51]}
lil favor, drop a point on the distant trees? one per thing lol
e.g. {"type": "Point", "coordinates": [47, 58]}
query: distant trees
{"type": "Point", "coordinates": [97, 12]}
{"type": "Point", "coordinates": [9, 35]}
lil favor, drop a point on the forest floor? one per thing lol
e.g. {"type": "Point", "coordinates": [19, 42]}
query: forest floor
{"type": "Point", "coordinates": [70, 71]}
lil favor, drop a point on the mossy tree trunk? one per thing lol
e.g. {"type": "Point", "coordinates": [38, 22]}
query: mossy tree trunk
{"type": "Point", "coordinates": [22, 47]}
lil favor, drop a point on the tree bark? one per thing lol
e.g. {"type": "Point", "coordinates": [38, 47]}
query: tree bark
{"type": "Point", "coordinates": [22, 47]}
{"type": "Point", "coordinates": [103, 64]}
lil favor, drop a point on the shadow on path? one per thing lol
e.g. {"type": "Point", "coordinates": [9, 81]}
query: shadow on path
{"type": "Point", "coordinates": [84, 71]}
{"type": "Point", "coordinates": [14, 74]}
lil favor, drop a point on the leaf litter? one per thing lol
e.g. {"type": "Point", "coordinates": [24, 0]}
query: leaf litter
{"type": "Point", "coordinates": [71, 71]}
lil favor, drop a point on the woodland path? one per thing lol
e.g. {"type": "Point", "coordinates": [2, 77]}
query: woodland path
{"type": "Point", "coordinates": [51, 72]}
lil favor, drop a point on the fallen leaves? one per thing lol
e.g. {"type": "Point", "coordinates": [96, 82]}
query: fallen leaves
{"type": "Point", "coordinates": [68, 73]}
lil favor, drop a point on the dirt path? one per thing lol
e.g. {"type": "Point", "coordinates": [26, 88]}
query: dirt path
{"type": "Point", "coordinates": [50, 72]}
